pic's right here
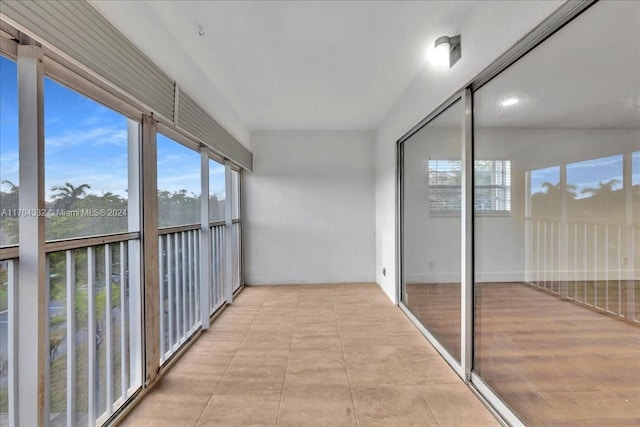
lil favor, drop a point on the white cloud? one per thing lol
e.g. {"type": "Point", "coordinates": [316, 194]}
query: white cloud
{"type": "Point", "coordinates": [597, 163]}
{"type": "Point", "coordinates": [94, 136]}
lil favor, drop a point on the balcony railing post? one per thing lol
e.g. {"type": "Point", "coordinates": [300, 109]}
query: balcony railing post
{"type": "Point", "coordinates": [108, 328]}
{"type": "Point", "coordinates": [124, 375]}
{"type": "Point", "coordinates": [171, 287]}
{"type": "Point", "coordinates": [32, 291]}
{"type": "Point", "coordinates": [184, 286]}
{"type": "Point", "coordinates": [161, 292]}
{"type": "Point", "coordinates": [563, 236]}
{"type": "Point", "coordinates": [71, 336]}
{"type": "Point", "coordinates": [149, 230]}
{"type": "Point", "coordinates": [12, 335]}
{"type": "Point", "coordinates": [228, 241]}
{"type": "Point", "coordinates": [241, 215]}
{"type": "Point", "coordinates": [629, 260]}
{"type": "Point", "coordinates": [91, 337]}
{"type": "Point", "coordinates": [205, 239]}
{"type": "Point", "coordinates": [133, 251]}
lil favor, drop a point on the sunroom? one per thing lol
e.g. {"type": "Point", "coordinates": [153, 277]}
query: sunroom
{"type": "Point", "coordinates": [286, 213]}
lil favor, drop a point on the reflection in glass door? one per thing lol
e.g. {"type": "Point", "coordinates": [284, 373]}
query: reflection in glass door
{"type": "Point", "coordinates": [555, 231]}
{"type": "Point", "coordinates": [556, 280]}
{"type": "Point", "coordinates": [431, 209]}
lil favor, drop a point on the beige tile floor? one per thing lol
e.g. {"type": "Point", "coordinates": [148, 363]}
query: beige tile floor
{"type": "Point", "coordinates": [311, 355]}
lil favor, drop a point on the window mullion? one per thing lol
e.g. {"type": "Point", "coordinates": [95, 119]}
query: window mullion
{"type": "Point", "coordinates": [33, 348]}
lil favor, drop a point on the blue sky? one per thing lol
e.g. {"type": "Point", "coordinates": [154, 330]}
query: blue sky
{"type": "Point", "coordinates": [86, 142]}
{"type": "Point", "coordinates": [539, 176]}
{"type": "Point", "coordinates": [8, 122]}
{"type": "Point", "coordinates": [587, 174]}
{"type": "Point", "coordinates": [179, 168]}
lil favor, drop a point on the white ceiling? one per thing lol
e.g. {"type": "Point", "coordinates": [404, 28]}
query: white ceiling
{"type": "Point", "coordinates": [577, 78]}
{"type": "Point", "coordinates": [585, 76]}
{"type": "Point", "coordinates": [329, 64]}
{"type": "Point", "coordinates": [310, 64]}
{"type": "Point", "coordinates": [293, 65]}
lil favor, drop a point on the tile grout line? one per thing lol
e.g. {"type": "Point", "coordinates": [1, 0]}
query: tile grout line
{"type": "Point", "coordinates": [344, 357]}
{"type": "Point", "coordinates": [284, 380]}
{"type": "Point", "coordinates": [229, 364]}
{"type": "Point", "coordinates": [414, 379]}
{"type": "Point", "coordinates": [424, 398]}
{"type": "Point", "coordinates": [402, 361]}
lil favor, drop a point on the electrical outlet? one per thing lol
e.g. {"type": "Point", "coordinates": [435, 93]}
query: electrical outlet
{"type": "Point", "coordinates": [430, 263]}
{"type": "Point", "coordinates": [625, 260]}
{"type": "Point", "coordinates": [384, 271]}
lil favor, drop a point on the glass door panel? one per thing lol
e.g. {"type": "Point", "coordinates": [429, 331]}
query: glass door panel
{"type": "Point", "coordinates": [431, 218]}
{"type": "Point", "coordinates": [556, 331]}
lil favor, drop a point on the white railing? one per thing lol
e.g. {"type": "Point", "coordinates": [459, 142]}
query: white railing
{"type": "Point", "coordinates": [8, 316]}
{"type": "Point", "coordinates": [235, 274]}
{"type": "Point", "coordinates": [179, 262]}
{"type": "Point", "coordinates": [218, 241]}
{"type": "Point", "coordinates": [543, 250]}
{"type": "Point", "coordinates": [94, 328]}
{"type": "Point", "coordinates": [95, 317]}
{"type": "Point", "coordinates": [593, 263]}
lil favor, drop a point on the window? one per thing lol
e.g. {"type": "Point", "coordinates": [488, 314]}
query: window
{"type": "Point", "coordinates": [235, 186]}
{"type": "Point", "coordinates": [593, 187]}
{"type": "Point", "coordinates": [544, 191]}
{"type": "Point", "coordinates": [9, 185]}
{"type": "Point", "coordinates": [635, 168]}
{"type": "Point", "coordinates": [445, 181]}
{"type": "Point", "coordinates": [217, 191]}
{"type": "Point", "coordinates": [91, 290]}
{"type": "Point", "coordinates": [178, 183]}
{"type": "Point", "coordinates": [492, 186]}
{"type": "Point", "coordinates": [86, 165]}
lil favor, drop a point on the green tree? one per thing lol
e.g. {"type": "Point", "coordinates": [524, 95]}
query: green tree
{"type": "Point", "coordinates": [66, 195]}
{"type": "Point", "coordinates": [92, 215]}
{"type": "Point", "coordinates": [178, 208]}
{"type": "Point", "coordinates": [604, 189]}
{"type": "Point", "coordinates": [547, 203]}
{"type": "Point", "coordinates": [8, 223]}
{"type": "Point", "coordinates": [600, 201]}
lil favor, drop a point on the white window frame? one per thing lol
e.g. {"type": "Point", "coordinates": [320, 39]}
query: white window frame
{"type": "Point", "coordinates": [494, 211]}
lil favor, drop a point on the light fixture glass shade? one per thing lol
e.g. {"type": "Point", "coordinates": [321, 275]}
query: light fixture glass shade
{"type": "Point", "coordinates": [509, 101]}
{"type": "Point", "coordinates": [440, 54]}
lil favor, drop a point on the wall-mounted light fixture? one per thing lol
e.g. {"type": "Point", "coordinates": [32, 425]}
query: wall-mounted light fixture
{"type": "Point", "coordinates": [447, 51]}
{"type": "Point", "coordinates": [509, 101]}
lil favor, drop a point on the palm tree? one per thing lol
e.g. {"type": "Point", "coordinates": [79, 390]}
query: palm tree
{"type": "Point", "coordinates": [548, 203]}
{"type": "Point", "coordinates": [603, 202]}
{"type": "Point", "coordinates": [67, 194]}
{"type": "Point", "coordinates": [604, 189]}
{"type": "Point", "coordinates": [553, 190]}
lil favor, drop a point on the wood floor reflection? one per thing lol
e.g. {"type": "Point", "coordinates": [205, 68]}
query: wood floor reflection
{"type": "Point", "coordinates": [552, 362]}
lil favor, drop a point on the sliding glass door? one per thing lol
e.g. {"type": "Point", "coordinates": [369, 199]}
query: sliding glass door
{"type": "Point", "coordinates": [431, 202]}
{"type": "Point", "coordinates": [555, 265]}
{"type": "Point", "coordinates": [556, 332]}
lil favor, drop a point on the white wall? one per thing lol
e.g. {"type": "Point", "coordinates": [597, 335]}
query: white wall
{"type": "Point", "coordinates": [310, 208]}
{"type": "Point", "coordinates": [487, 33]}
{"type": "Point", "coordinates": [432, 242]}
